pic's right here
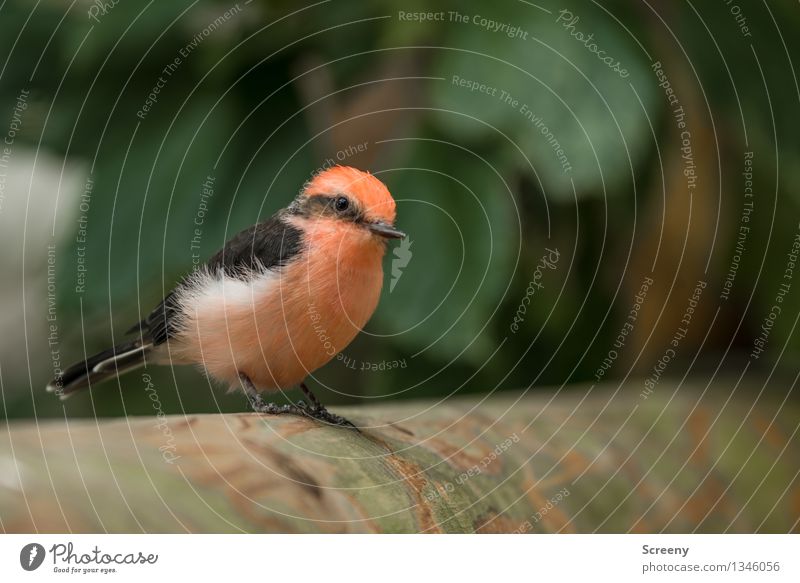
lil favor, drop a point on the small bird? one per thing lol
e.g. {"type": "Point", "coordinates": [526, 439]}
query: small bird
{"type": "Point", "coordinates": [276, 303]}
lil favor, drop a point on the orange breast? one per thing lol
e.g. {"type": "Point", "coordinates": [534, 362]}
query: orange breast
{"type": "Point", "coordinates": [279, 328]}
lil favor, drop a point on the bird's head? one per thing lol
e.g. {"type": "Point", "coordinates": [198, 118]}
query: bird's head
{"type": "Point", "coordinates": [348, 196]}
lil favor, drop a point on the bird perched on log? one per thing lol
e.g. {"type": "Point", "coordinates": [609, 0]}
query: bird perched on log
{"type": "Point", "coordinates": [277, 302]}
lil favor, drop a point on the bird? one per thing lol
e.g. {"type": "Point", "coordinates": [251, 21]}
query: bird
{"type": "Point", "coordinates": [277, 302]}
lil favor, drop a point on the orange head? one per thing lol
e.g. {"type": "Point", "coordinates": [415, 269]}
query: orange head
{"type": "Point", "coordinates": [347, 194]}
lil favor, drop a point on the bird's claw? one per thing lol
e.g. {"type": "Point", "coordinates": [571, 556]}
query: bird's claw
{"type": "Point", "coordinates": [313, 411]}
{"type": "Point", "coordinates": [322, 414]}
{"type": "Point", "coordinates": [273, 409]}
{"type": "Point", "coordinates": [302, 409]}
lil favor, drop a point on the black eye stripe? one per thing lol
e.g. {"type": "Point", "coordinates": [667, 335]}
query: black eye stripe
{"type": "Point", "coordinates": [330, 205]}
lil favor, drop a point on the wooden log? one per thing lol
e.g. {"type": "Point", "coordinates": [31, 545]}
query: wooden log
{"type": "Point", "coordinates": [581, 460]}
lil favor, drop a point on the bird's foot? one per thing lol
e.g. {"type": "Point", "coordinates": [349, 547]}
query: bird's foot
{"type": "Point", "coordinates": [322, 414]}
{"type": "Point", "coordinates": [313, 411]}
{"type": "Point", "coordinates": [303, 410]}
{"type": "Point", "coordinates": [317, 411]}
{"type": "Point", "coordinates": [260, 406]}
{"type": "Point", "coordinates": [275, 409]}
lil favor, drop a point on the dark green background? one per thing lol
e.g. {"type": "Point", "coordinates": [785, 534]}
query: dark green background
{"type": "Point", "coordinates": [479, 192]}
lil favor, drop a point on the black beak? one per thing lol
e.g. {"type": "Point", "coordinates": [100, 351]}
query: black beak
{"type": "Point", "coordinates": [386, 231]}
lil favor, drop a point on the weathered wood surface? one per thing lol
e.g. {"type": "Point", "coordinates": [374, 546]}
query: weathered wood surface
{"type": "Point", "coordinates": [578, 461]}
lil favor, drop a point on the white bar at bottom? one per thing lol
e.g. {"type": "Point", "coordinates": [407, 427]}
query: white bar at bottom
{"type": "Point", "coordinates": [356, 558]}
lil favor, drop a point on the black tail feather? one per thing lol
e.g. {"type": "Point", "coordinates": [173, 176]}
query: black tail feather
{"type": "Point", "coordinates": [98, 368]}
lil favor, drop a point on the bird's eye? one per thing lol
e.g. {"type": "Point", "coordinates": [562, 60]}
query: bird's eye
{"type": "Point", "coordinates": [341, 204]}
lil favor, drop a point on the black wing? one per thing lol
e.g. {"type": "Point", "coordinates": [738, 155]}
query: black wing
{"type": "Point", "coordinates": [267, 245]}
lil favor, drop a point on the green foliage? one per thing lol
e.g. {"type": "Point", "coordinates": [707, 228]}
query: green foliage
{"type": "Point", "coordinates": [482, 189]}
{"type": "Point", "coordinates": [530, 84]}
{"type": "Point", "coordinates": [444, 301]}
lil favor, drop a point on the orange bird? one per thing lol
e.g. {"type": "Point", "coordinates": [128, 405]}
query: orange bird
{"type": "Point", "coordinates": [279, 301]}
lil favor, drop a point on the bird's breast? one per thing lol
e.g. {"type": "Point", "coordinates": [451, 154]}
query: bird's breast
{"type": "Point", "coordinates": [280, 326]}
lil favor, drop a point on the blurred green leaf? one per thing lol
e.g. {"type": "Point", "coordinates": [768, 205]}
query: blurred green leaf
{"type": "Point", "coordinates": [464, 236]}
{"type": "Point", "coordinates": [560, 96]}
